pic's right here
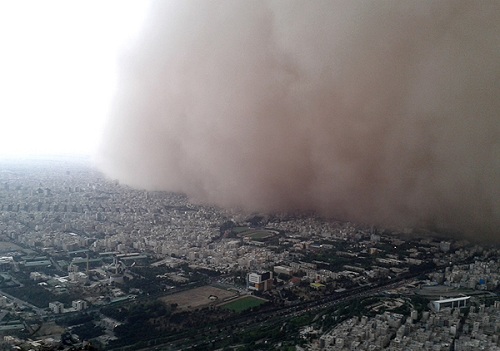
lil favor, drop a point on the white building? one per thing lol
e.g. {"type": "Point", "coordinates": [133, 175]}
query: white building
{"type": "Point", "coordinates": [260, 281]}
{"type": "Point", "coordinates": [459, 302]}
{"type": "Point", "coordinates": [79, 305]}
{"type": "Point", "coordinates": [56, 307]}
{"type": "Point", "coordinates": [283, 270]}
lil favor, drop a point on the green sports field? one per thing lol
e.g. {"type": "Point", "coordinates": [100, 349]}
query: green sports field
{"type": "Point", "coordinates": [239, 230]}
{"type": "Point", "coordinates": [243, 304]}
{"type": "Point", "coordinates": [256, 234]}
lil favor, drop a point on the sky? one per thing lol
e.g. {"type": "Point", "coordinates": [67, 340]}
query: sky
{"type": "Point", "coordinates": [58, 71]}
{"type": "Point", "coordinates": [379, 112]}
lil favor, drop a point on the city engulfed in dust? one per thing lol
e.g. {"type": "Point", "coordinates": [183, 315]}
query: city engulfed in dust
{"type": "Point", "coordinates": [384, 113]}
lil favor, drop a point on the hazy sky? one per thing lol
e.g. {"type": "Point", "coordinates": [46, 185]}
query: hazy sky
{"type": "Point", "coordinates": [58, 71]}
{"type": "Point", "coordinates": [382, 112]}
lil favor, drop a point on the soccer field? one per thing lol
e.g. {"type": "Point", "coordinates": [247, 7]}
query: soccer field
{"type": "Point", "coordinates": [257, 234]}
{"type": "Point", "coordinates": [243, 304]}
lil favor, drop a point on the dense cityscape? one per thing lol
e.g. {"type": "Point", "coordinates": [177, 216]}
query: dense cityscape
{"type": "Point", "coordinates": [88, 263]}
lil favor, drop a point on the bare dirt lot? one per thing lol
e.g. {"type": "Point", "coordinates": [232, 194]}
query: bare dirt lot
{"type": "Point", "coordinates": [198, 297]}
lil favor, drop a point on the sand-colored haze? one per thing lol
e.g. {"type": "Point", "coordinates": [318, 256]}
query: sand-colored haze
{"type": "Point", "coordinates": [382, 112]}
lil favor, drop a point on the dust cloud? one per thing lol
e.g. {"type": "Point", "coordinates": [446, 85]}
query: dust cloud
{"type": "Point", "coordinates": [382, 112]}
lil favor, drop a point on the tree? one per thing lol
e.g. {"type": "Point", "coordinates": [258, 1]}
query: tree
{"type": "Point", "coordinates": [228, 225]}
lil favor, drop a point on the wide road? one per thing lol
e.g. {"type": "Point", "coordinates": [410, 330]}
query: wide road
{"type": "Point", "coordinates": [199, 338]}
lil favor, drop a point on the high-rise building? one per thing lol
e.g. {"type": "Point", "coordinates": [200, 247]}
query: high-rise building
{"type": "Point", "coordinates": [56, 307]}
{"type": "Point", "coordinates": [79, 305]}
{"type": "Point", "coordinates": [260, 281]}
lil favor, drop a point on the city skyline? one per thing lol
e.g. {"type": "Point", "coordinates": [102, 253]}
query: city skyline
{"type": "Point", "coordinates": [88, 261]}
{"type": "Point", "coordinates": [342, 109]}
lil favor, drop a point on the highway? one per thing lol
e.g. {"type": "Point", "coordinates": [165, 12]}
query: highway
{"type": "Point", "coordinates": [281, 315]}
{"type": "Point", "coordinates": [203, 337]}
{"type": "Point", "coordinates": [198, 339]}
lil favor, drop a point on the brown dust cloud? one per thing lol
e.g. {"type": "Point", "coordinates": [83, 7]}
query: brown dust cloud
{"type": "Point", "coordinates": [380, 112]}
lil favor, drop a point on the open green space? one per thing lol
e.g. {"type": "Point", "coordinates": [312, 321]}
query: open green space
{"type": "Point", "coordinates": [243, 304]}
{"type": "Point", "coordinates": [239, 230]}
{"type": "Point", "coordinates": [257, 234]}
